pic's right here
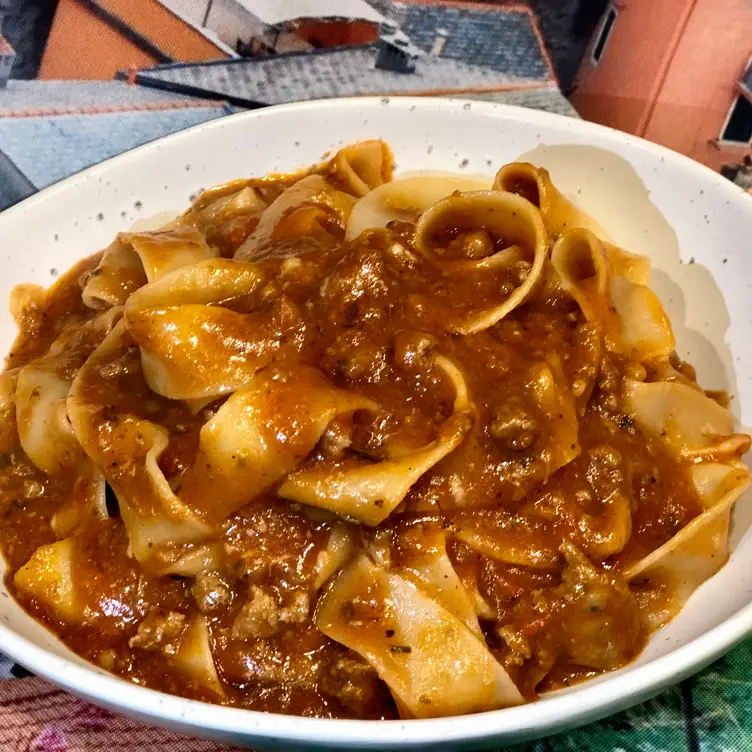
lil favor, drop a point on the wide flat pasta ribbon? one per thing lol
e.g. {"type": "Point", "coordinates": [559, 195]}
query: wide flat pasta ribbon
{"type": "Point", "coordinates": [227, 214]}
{"type": "Point", "coordinates": [664, 579]}
{"type": "Point", "coordinates": [696, 428]}
{"type": "Point", "coordinates": [693, 425]}
{"type": "Point", "coordinates": [361, 167]}
{"type": "Point", "coordinates": [509, 538]}
{"type": "Point", "coordinates": [43, 426]}
{"type": "Point", "coordinates": [304, 210]}
{"type": "Point", "coordinates": [629, 315]}
{"type": "Point", "coordinates": [503, 216]}
{"type": "Point", "coordinates": [340, 547]}
{"type": "Point", "coordinates": [48, 577]}
{"type": "Point", "coordinates": [631, 266]}
{"type": "Point", "coordinates": [558, 404]}
{"type": "Point", "coordinates": [432, 662]}
{"type": "Point", "coordinates": [585, 273]}
{"type": "Point", "coordinates": [193, 657]}
{"type": "Point", "coordinates": [192, 347]}
{"type": "Point", "coordinates": [259, 435]}
{"type": "Point", "coordinates": [404, 199]}
{"type": "Point", "coordinates": [222, 203]}
{"type": "Point", "coordinates": [559, 214]}
{"type": "Point", "coordinates": [227, 199]}
{"type": "Point", "coordinates": [646, 333]}
{"type": "Point", "coordinates": [135, 258]}
{"type": "Point", "coordinates": [161, 528]}
{"type": "Point", "coordinates": [429, 567]}
{"type": "Point", "coordinates": [370, 491]}
{"type": "Point", "coordinates": [41, 389]}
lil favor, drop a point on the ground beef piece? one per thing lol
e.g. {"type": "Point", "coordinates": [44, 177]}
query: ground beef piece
{"type": "Point", "coordinates": [258, 618]}
{"type": "Point", "coordinates": [337, 437]}
{"type": "Point", "coordinates": [358, 288]}
{"type": "Point", "coordinates": [411, 349]}
{"type": "Point", "coordinates": [211, 592]}
{"type": "Point", "coordinates": [160, 630]}
{"type": "Point", "coordinates": [352, 682]}
{"type": "Point", "coordinates": [600, 620]}
{"type": "Point", "coordinates": [514, 426]}
{"type": "Point", "coordinates": [297, 610]}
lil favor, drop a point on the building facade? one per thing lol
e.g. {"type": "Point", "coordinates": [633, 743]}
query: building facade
{"type": "Point", "coordinates": [94, 39]}
{"type": "Point", "coordinates": [676, 72]}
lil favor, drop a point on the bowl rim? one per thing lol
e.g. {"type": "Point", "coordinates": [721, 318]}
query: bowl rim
{"type": "Point", "coordinates": [557, 712]}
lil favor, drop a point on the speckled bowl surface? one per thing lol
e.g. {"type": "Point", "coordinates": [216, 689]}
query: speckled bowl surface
{"type": "Point", "coordinates": [695, 226]}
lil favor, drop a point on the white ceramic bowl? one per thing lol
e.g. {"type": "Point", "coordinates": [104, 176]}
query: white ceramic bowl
{"type": "Point", "coordinates": [651, 201]}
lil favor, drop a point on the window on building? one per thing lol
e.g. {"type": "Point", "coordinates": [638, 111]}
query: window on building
{"type": "Point", "coordinates": [603, 34]}
{"type": "Point", "coordinates": [738, 127]}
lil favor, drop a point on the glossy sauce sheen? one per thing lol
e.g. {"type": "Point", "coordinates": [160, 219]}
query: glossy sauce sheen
{"type": "Point", "coordinates": [362, 313]}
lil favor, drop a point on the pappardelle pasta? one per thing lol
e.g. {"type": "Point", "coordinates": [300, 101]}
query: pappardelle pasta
{"type": "Point", "coordinates": [338, 444]}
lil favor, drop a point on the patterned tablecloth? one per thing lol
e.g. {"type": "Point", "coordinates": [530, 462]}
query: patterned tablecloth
{"type": "Point", "coordinates": [48, 134]}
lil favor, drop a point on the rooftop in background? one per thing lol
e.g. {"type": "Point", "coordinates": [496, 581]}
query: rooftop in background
{"type": "Point", "coordinates": [273, 12]}
{"type": "Point", "coordinates": [52, 129]}
{"type": "Point", "coordinates": [503, 38]}
{"type": "Point", "coordinates": [41, 98]}
{"type": "Point", "coordinates": [547, 98]}
{"type": "Point", "coordinates": [456, 58]}
{"type": "Point", "coordinates": [322, 74]}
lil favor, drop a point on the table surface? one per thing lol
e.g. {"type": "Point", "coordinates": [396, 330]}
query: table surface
{"type": "Point", "coordinates": [711, 712]}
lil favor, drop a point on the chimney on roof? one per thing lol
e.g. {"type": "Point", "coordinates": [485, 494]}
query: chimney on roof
{"type": "Point", "coordinates": [396, 52]}
{"type": "Point", "coordinates": [439, 42]}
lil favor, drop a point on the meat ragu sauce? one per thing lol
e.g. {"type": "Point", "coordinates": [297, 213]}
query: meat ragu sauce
{"type": "Point", "coordinates": [539, 513]}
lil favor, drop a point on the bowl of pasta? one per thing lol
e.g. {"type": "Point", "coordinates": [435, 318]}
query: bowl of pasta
{"type": "Point", "coordinates": [419, 420]}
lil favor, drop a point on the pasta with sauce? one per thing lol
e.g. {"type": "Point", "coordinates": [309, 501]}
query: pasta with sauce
{"type": "Point", "coordinates": [338, 444]}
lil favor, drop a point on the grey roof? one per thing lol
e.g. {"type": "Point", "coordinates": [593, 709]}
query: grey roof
{"type": "Point", "coordinates": [29, 96]}
{"type": "Point", "coordinates": [495, 37]}
{"type": "Point", "coordinates": [321, 74]}
{"type": "Point", "coordinates": [547, 98]}
{"type": "Point", "coordinates": [92, 121]}
{"type": "Point", "coordinates": [14, 185]}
